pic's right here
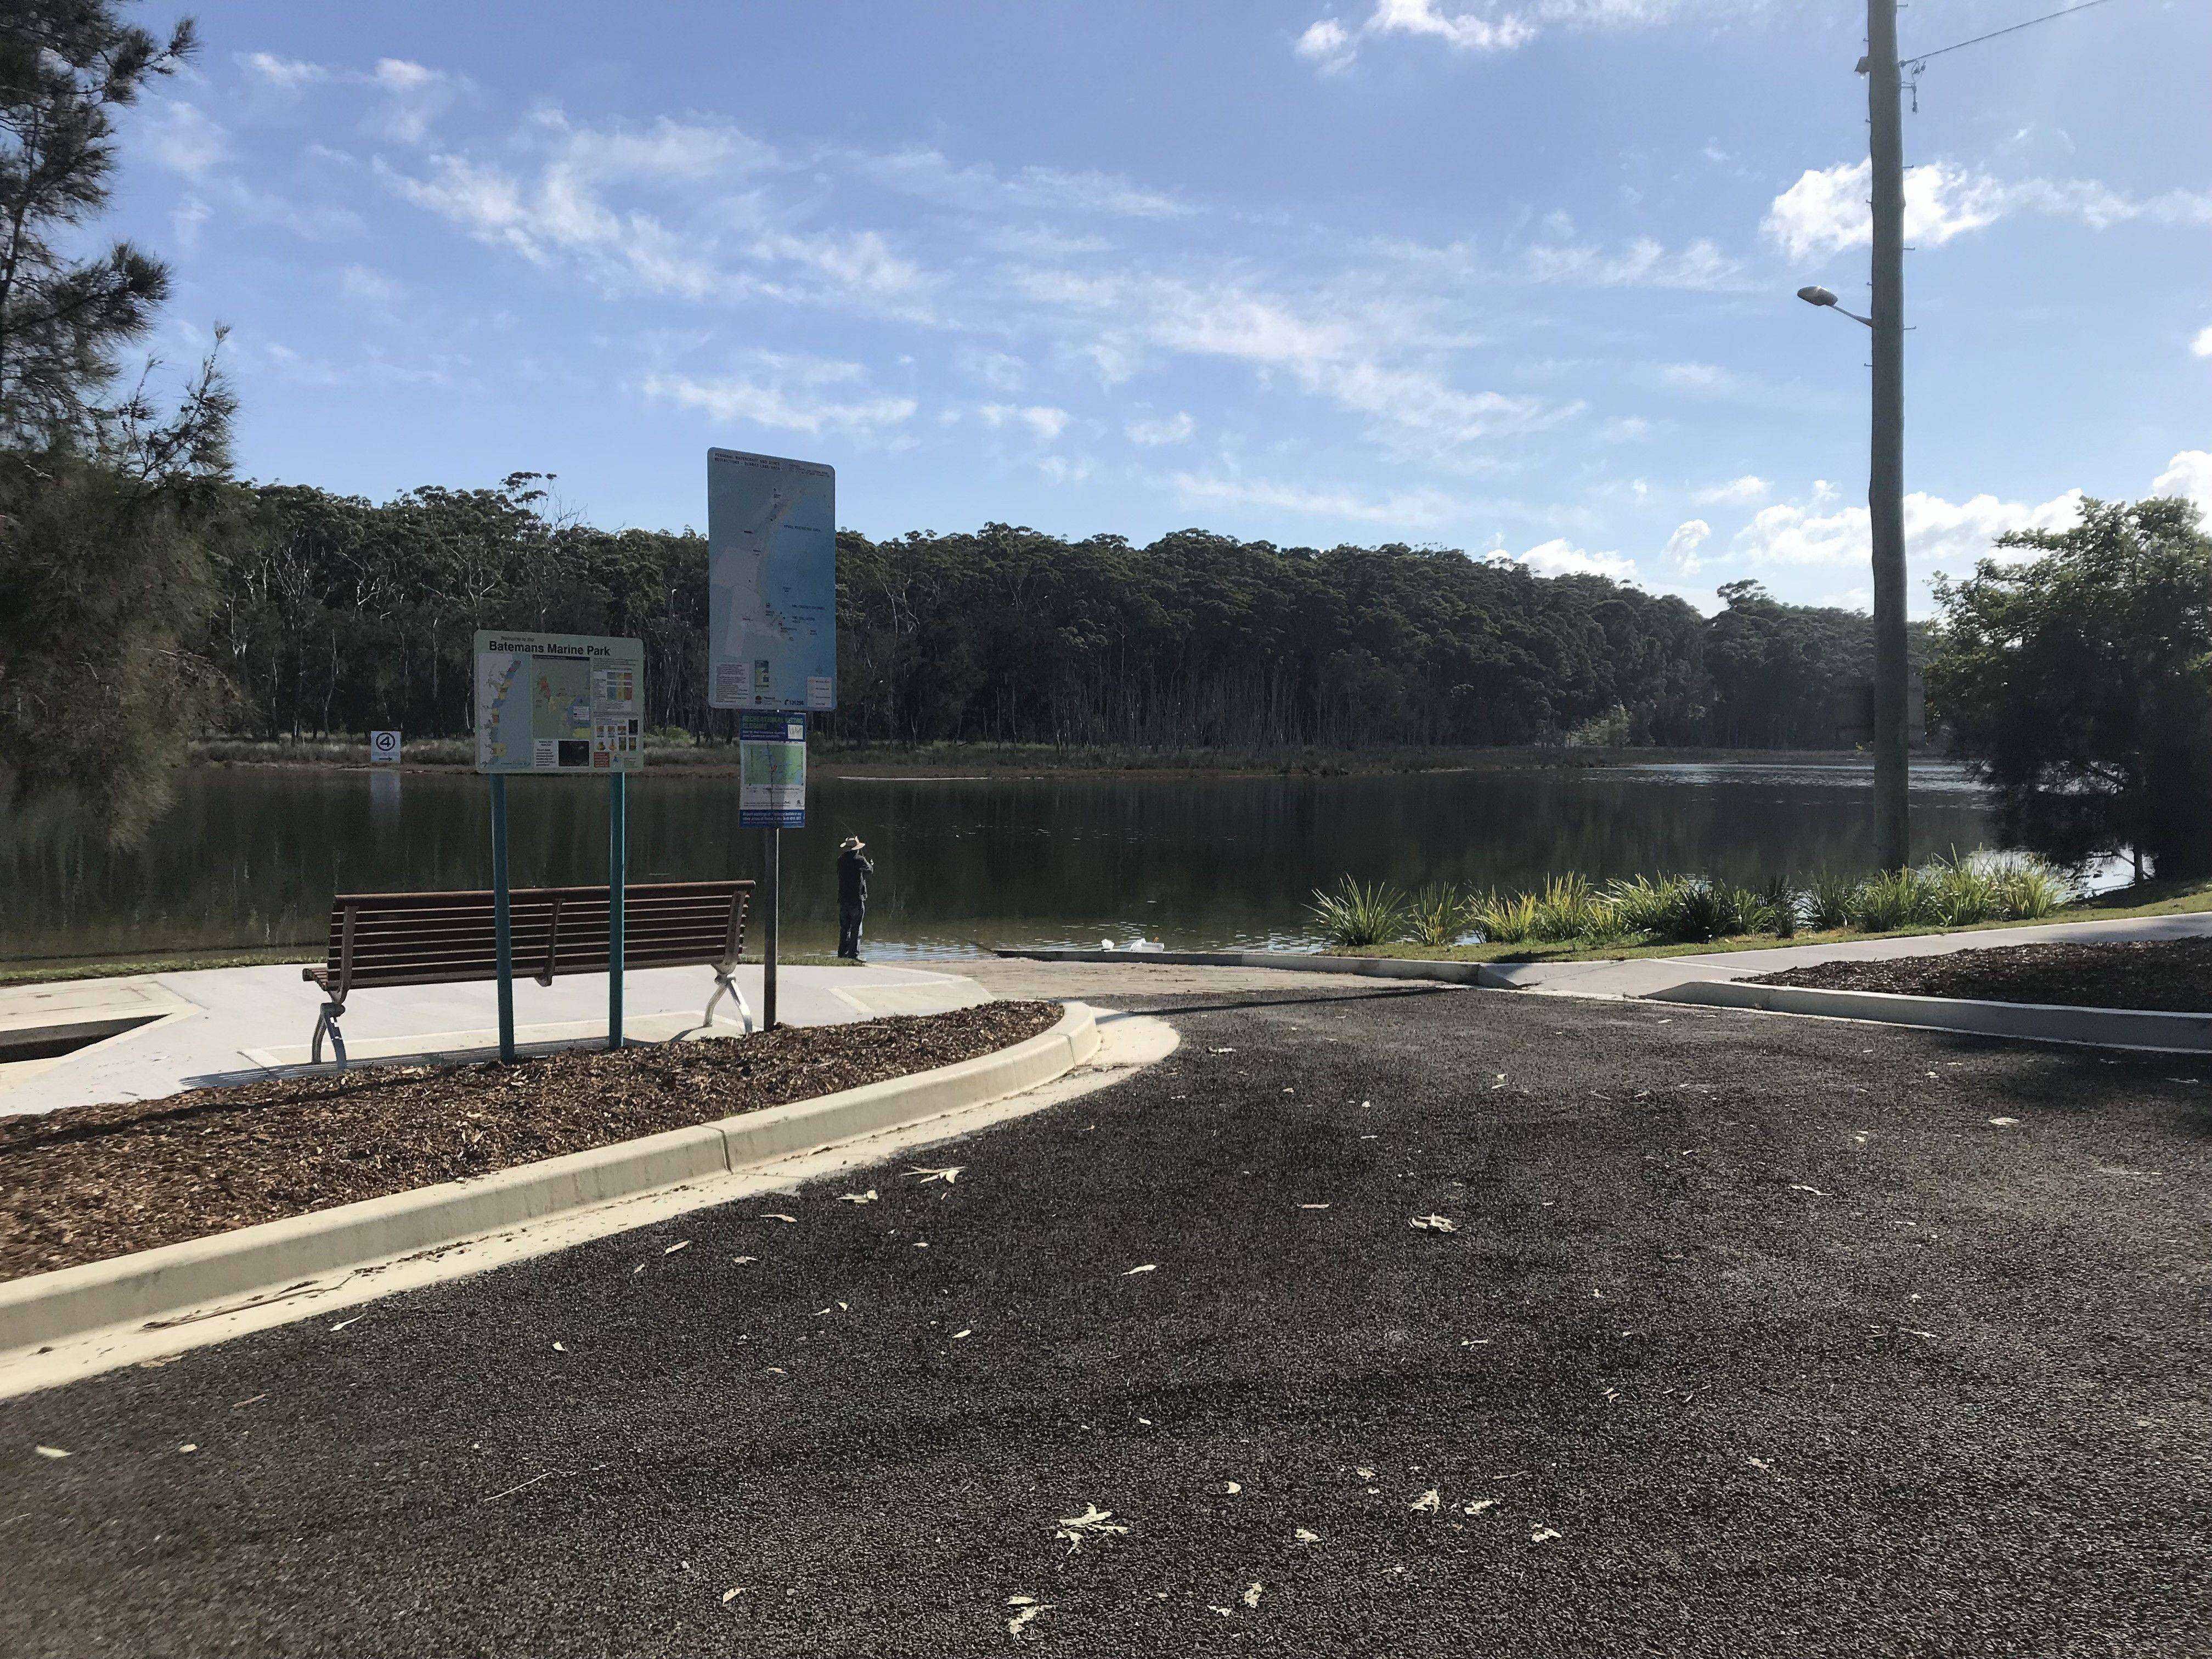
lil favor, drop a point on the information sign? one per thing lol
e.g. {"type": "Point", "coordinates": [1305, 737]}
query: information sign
{"type": "Point", "coordinates": [771, 768]}
{"type": "Point", "coordinates": [771, 582]}
{"type": "Point", "coordinates": [559, 703]}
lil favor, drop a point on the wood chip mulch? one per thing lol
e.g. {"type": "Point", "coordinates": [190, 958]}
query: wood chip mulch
{"type": "Point", "coordinates": [88, 1182]}
{"type": "Point", "coordinates": [2168, 975]}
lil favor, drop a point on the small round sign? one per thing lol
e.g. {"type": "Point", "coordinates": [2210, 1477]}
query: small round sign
{"type": "Point", "coordinates": [384, 745]}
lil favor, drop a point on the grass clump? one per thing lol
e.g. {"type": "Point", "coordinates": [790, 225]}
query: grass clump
{"type": "Point", "coordinates": [1355, 915]}
{"type": "Point", "coordinates": [1438, 915]}
{"type": "Point", "coordinates": [1506, 919]}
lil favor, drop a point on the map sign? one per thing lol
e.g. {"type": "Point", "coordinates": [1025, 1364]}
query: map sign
{"type": "Point", "coordinates": [772, 771]}
{"type": "Point", "coordinates": [559, 702]}
{"type": "Point", "coordinates": [771, 582]}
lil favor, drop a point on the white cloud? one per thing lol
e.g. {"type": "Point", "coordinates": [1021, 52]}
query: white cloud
{"type": "Point", "coordinates": [2188, 475]}
{"type": "Point", "coordinates": [1168, 429]}
{"type": "Point", "coordinates": [1643, 264]}
{"type": "Point", "coordinates": [1826, 211]}
{"type": "Point", "coordinates": [1479, 26]}
{"type": "Point", "coordinates": [1041, 419]}
{"type": "Point", "coordinates": [185, 139]}
{"type": "Point", "coordinates": [2201, 345]}
{"type": "Point", "coordinates": [1059, 470]}
{"type": "Point", "coordinates": [791, 394]}
{"type": "Point", "coordinates": [1404, 512]}
{"type": "Point", "coordinates": [981, 188]}
{"type": "Point", "coordinates": [1626, 429]}
{"type": "Point", "coordinates": [414, 96]}
{"type": "Point", "coordinates": [289, 74]}
{"type": "Point", "coordinates": [1748, 487]}
{"type": "Point", "coordinates": [1939, 534]}
{"type": "Point", "coordinates": [372, 286]}
{"type": "Point", "coordinates": [1327, 44]}
{"type": "Point", "coordinates": [1558, 557]}
{"type": "Point", "coordinates": [1682, 546]}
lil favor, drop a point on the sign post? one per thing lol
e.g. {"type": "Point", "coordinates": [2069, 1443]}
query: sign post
{"type": "Point", "coordinates": [383, 748]}
{"type": "Point", "coordinates": [555, 704]}
{"type": "Point", "coordinates": [772, 797]}
{"type": "Point", "coordinates": [501, 923]}
{"type": "Point", "coordinates": [771, 637]}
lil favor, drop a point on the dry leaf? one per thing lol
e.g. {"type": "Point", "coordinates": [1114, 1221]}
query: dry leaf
{"type": "Point", "coordinates": [1149, 1267]}
{"type": "Point", "coordinates": [51, 1452]}
{"type": "Point", "coordinates": [1093, 1524]}
{"type": "Point", "coordinates": [1305, 1537]}
{"type": "Point", "coordinates": [733, 1594]}
{"type": "Point", "coordinates": [948, 1175]}
{"type": "Point", "coordinates": [868, 1197]}
{"type": "Point", "coordinates": [1476, 1506]}
{"type": "Point", "coordinates": [1436, 1223]}
{"type": "Point", "coordinates": [189, 1446]}
{"type": "Point", "coordinates": [560, 1347]}
{"type": "Point", "coordinates": [775, 1215]}
{"type": "Point", "coordinates": [1252, 1595]}
{"type": "Point", "coordinates": [1544, 1534]}
{"type": "Point", "coordinates": [1428, 1503]}
{"type": "Point", "coordinates": [2003, 1123]}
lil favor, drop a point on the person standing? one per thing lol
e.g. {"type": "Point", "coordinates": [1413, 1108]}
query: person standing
{"type": "Point", "coordinates": [854, 869]}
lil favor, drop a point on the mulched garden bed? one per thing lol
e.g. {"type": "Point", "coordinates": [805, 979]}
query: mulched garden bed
{"type": "Point", "coordinates": [2170, 975]}
{"type": "Point", "coordinates": [87, 1182]}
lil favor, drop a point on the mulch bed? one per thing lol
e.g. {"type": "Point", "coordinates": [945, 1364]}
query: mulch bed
{"type": "Point", "coordinates": [2170, 975]}
{"type": "Point", "coordinates": [87, 1182]}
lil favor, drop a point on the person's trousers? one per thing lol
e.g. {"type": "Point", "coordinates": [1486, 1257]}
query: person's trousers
{"type": "Point", "coordinates": [849, 917]}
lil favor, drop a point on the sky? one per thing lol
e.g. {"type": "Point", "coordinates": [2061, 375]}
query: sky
{"type": "Point", "coordinates": [1515, 277]}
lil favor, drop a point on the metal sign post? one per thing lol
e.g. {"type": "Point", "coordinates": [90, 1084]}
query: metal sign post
{"type": "Point", "coordinates": [771, 640]}
{"type": "Point", "coordinates": [502, 927]}
{"type": "Point", "coordinates": [771, 797]}
{"type": "Point", "coordinates": [618, 871]}
{"type": "Point", "coordinates": [569, 704]}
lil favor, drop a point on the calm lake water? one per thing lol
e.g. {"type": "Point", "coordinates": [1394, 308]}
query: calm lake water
{"type": "Point", "coordinates": [250, 856]}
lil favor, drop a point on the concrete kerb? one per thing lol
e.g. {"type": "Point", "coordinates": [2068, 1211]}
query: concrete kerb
{"type": "Point", "coordinates": [1298, 962]}
{"type": "Point", "coordinates": [262, 1262]}
{"type": "Point", "coordinates": [2034, 1022]}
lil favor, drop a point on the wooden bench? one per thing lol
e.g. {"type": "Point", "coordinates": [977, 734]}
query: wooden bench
{"type": "Point", "coordinates": [443, 938]}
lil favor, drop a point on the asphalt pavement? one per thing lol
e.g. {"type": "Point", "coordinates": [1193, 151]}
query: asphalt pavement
{"type": "Point", "coordinates": [1721, 1333]}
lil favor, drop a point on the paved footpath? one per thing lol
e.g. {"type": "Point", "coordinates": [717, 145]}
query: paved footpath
{"type": "Point", "coordinates": [1749, 1336]}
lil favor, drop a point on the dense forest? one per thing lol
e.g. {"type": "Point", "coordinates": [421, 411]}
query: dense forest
{"type": "Point", "coordinates": [335, 613]}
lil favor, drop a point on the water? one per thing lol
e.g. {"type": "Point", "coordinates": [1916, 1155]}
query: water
{"type": "Point", "coordinates": [251, 856]}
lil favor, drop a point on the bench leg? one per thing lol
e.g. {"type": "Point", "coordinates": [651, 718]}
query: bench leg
{"type": "Point", "coordinates": [725, 986]}
{"type": "Point", "coordinates": [328, 1023]}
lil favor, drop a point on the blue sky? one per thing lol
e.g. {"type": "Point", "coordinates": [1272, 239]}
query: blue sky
{"type": "Point", "coordinates": [1513, 275]}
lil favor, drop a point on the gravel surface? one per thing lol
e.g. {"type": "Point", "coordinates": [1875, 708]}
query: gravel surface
{"type": "Point", "coordinates": [1747, 1337]}
{"type": "Point", "coordinates": [91, 1181]}
{"type": "Point", "coordinates": [2171, 974]}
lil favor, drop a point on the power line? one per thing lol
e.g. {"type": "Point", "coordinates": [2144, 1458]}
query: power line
{"type": "Point", "coordinates": [1915, 62]}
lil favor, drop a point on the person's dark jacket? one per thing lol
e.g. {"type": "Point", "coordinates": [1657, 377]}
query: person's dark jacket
{"type": "Point", "coordinates": [854, 870]}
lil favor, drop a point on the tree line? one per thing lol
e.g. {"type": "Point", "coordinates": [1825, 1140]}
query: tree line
{"type": "Point", "coordinates": [334, 614]}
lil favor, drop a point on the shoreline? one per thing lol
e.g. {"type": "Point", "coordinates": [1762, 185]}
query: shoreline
{"type": "Point", "coordinates": [961, 763]}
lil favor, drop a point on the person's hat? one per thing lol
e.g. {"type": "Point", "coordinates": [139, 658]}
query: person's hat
{"type": "Point", "coordinates": [852, 844]}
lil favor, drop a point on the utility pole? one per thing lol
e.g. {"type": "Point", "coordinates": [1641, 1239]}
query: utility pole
{"type": "Point", "coordinates": [1885, 460]}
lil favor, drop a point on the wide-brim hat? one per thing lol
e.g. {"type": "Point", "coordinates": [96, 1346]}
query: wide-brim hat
{"type": "Point", "coordinates": [852, 844]}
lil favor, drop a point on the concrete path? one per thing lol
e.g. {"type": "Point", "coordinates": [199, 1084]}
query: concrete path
{"type": "Point", "coordinates": [1644, 976]}
{"type": "Point", "coordinates": [164, 1032]}
{"type": "Point", "coordinates": [1748, 1337]}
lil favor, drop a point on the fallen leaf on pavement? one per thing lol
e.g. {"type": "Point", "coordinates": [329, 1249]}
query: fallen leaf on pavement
{"type": "Point", "coordinates": [1231, 1488]}
{"type": "Point", "coordinates": [1428, 1503]}
{"type": "Point", "coordinates": [1313, 1207]}
{"type": "Point", "coordinates": [1305, 1537]}
{"type": "Point", "coordinates": [1145, 1268]}
{"type": "Point", "coordinates": [776, 1215]}
{"type": "Point", "coordinates": [1093, 1524]}
{"type": "Point", "coordinates": [1476, 1506]}
{"type": "Point", "coordinates": [1543, 1534]}
{"type": "Point", "coordinates": [733, 1594]}
{"type": "Point", "coordinates": [1435, 1224]}
{"type": "Point", "coordinates": [1031, 1608]}
{"type": "Point", "coordinates": [2003, 1123]}
{"type": "Point", "coordinates": [680, 1244]}
{"type": "Point", "coordinates": [51, 1452]}
{"type": "Point", "coordinates": [1800, 1186]}
{"type": "Point", "coordinates": [959, 1335]}
{"type": "Point", "coordinates": [342, 1323]}
{"type": "Point", "coordinates": [948, 1175]}
{"type": "Point", "coordinates": [740, 1261]}
{"type": "Point", "coordinates": [868, 1197]}
{"type": "Point", "coordinates": [1252, 1595]}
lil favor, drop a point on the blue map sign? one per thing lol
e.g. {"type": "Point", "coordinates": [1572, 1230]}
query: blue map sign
{"type": "Point", "coordinates": [771, 582]}
{"type": "Point", "coordinates": [772, 771]}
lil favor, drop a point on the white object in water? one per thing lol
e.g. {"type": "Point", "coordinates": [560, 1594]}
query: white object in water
{"type": "Point", "coordinates": [1105, 944]}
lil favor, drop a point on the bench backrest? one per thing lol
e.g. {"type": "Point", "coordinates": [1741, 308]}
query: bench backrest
{"type": "Point", "coordinates": [437, 939]}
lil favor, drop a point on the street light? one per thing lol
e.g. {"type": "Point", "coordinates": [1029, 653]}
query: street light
{"type": "Point", "coordinates": [1821, 296]}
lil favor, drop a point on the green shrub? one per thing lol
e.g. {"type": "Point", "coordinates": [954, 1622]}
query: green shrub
{"type": "Point", "coordinates": [1505, 920]}
{"type": "Point", "coordinates": [2027, 888]}
{"type": "Point", "coordinates": [1643, 904]}
{"type": "Point", "coordinates": [1782, 900]}
{"type": "Point", "coordinates": [1570, 908]}
{"type": "Point", "coordinates": [1828, 903]}
{"type": "Point", "coordinates": [1352, 914]}
{"type": "Point", "coordinates": [1438, 915]}
{"type": "Point", "coordinates": [1892, 899]}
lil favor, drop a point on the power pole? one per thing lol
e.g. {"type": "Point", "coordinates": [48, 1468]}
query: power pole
{"type": "Point", "coordinates": [1885, 461]}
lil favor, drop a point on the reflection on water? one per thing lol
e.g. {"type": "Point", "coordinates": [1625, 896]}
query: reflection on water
{"type": "Point", "coordinates": [253, 856]}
